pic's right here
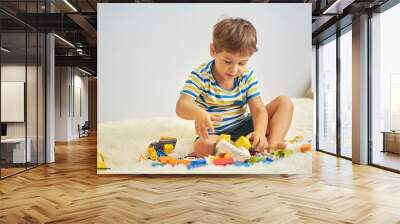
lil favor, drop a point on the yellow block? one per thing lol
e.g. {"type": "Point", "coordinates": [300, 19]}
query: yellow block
{"type": "Point", "coordinates": [224, 137]}
{"type": "Point", "coordinates": [243, 142]}
{"type": "Point", "coordinates": [101, 163]}
{"type": "Point", "coordinates": [153, 153]}
{"type": "Point", "coordinates": [168, 148]}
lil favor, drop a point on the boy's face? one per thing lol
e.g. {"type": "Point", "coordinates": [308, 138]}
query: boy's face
{"type": "Point", "coordinates": [228, 65]}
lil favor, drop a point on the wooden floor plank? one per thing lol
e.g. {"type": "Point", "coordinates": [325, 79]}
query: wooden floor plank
{"type": "Point", "coordinates": [70, 191]}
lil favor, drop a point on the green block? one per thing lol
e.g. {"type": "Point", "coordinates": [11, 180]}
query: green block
{"type": "Point", "coordinates": [255, 159]}
{"type": "Point", "coordinates": [279, 153]}
{"type": "Point", "coordinates": [287, 152]}
{"type": "Point", "coordinates": [296, 139]}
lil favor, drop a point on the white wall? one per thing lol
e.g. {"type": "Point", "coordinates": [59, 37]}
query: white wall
{"type": "Point", "coordinates": [17, 73]}
{"type": "Point", "coordinates": [33, 127]}
{"type": "Point", "coordinates": [61, 103]}
{"type": "Point", "coordinates": [146, 51]}
{"type": "Point", "coordinates": [67, 116]}
{"type": "Point", "coordinates": [79, 117]}
{"type": "Point", "coordinates": [12, 100]}
{"type": "Point", "coordinates": [314, 70]}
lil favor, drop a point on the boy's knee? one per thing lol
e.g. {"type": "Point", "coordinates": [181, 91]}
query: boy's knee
{"type": "Point", "coordinates": [285, 101]}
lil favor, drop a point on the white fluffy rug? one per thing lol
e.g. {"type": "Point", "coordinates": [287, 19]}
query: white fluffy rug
{"type": "Point", "coordinates": [122, 142]}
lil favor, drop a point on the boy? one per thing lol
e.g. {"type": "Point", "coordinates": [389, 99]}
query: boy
{"type": "Point", "coordinates": [217, 93]}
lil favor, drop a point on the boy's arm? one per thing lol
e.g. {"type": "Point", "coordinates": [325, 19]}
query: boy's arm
{"type": "Point", "coordinates": [186, 108]}
{"type": "Point", "coordinates": [259, 115]}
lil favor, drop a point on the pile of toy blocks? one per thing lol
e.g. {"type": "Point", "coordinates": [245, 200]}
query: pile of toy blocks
{"type": "Point", "coordinates": [158, 151]}
{"type": "Point", "coordinates": [238, 153]}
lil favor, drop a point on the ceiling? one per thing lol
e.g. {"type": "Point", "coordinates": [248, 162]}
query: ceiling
{"type": "Point", "coordinates": [76, 22]}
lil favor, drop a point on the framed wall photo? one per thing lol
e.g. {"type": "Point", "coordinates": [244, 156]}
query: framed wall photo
{"type": "Point", "coordinates": [150, 56]}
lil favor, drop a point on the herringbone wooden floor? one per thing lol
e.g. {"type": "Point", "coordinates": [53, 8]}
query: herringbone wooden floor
{"type": "Point", "coordinates": [69, 191]}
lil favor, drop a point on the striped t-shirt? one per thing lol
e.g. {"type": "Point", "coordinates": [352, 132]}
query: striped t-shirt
{"type": "Point", "coordinates": [230, 104]}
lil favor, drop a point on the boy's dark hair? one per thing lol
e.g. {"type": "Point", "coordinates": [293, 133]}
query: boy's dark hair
{"type": "Point", "coordinates": [235, 35]}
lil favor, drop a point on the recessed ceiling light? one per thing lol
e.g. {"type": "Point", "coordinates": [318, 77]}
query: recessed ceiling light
{"type": "Point", "coordinates": [84, 71]}
{"type": "Point", "coordinates": [338, 6]}
{"type": "Point", "coordinates": [64, 40]}
{"type": "Point", "coordinates": [5, 50]}
{"type": "Point", "coordinates": [70, 5]}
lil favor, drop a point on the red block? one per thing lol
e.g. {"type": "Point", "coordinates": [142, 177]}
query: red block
{"type": "Point", "coordinates": [223, 161]}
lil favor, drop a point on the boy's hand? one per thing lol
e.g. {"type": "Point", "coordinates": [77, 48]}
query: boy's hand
{"type": "Point", "coordinates": [259, 141]}
{"type": "Point", "coordinates": [204, 123]}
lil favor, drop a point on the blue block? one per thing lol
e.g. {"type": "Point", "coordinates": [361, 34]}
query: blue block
{"type": "Point", "coordinates": [197, 163]}
{"type": "Point", "coordinates": [157, 164]}
{"type": "Point", "coordinates": [238, 163]}
{"type": "Point", "coordinates": [161, 153]}
{"type": "Point", "coordinates": [267, 160]}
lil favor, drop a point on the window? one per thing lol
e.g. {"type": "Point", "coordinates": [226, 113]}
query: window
{"type": "Point", "coordinates": [327, 96]}
{"type": "Point", "coordinates": [346, 95]}
{"type": "Point", "coordinates": [22, 66]}
{"type": "Point", "coordinates": [385, 88]}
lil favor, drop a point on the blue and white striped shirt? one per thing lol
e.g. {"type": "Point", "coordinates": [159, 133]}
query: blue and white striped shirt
{"type": "Point", "coordinates": [230, 104]}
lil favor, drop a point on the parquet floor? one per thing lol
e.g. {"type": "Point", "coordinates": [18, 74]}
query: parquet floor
{"type": "Point", "coordinates": [9, 171]}
{"type": "Point", "coordinates": [69, 191]}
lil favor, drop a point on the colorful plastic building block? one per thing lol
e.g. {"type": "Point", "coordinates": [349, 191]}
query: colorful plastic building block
{"type": "Point", "coordinates": [172, 160]}
{"type": "Point", "coordinates": [196, 163]}
{"type": "Point", "coordinates": [281, 153]}
{"type": "Point", "coordinates": [161, 153]}
{"type": "Point", "coordinates": [238, 163]}
{"type": "Point", "coordinates": [153, 153]}
{"type": "Point", "coordinates": [183, 161]}
{"type": "Point", "coordinates": [255, 159]}
{"type": "Point", "coordinates": [268, 156]}
{"type": "Point", "coordinates": [165, 144]}
{"type": "Point", "coordinates": [278, 154]}
{"type": "Point", "coordinates": [267, 160]}
{"type": "Point", "coordinates": [167, 138]}
{"type": "Point", "coordinates": [168, 148]}
{"type": "Point", "coordinates": [168, 160]}
{"type": "Point", "coordinates": [240, 154]}
{"type": "Point", "coordinates": [287, 152]}
{"type": "Point", "coordinates": [243, 142]}
{"type": "Point", "coordinates": [101, 162]}
{"type": "Point", "coordinates": [305, 148]}
{"type": "Point", "coordinates": [142, 157]}
{"type": "Point", "coordinates": [296, 139]}
{"type": "Point", "coordinates": [227, 155]}
{"type": "Point", "coordinates": [223, 161]}
{"type": "Point", "coordinates": [154, 164]}
{"type": "Point", "coordinates": [225, 137]}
